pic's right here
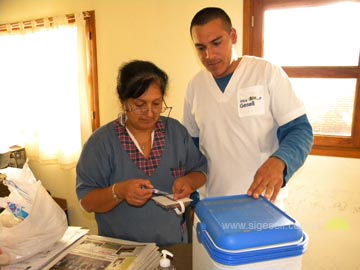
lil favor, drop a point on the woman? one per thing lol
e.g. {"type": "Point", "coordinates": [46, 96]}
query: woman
{"type": "Point", "coordinates": [125, 159]}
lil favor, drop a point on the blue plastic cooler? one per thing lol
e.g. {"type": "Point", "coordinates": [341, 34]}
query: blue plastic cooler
{"type": "Point", "coordinates": [239, 230]}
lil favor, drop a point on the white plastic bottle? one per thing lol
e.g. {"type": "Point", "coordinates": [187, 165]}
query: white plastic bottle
{"type": "Point", "coordinates": [165, 263]}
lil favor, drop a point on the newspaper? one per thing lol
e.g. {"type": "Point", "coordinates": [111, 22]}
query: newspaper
{"type": "Point", "coordinates": [94, 252]}
{"type": "Point", "coordinates": [40, 260]}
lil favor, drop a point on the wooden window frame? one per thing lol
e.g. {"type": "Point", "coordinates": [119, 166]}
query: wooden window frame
{"type": "Point", "coordinates": [92, 68]}
{"type": "Point", "coordinates": [253, 42]}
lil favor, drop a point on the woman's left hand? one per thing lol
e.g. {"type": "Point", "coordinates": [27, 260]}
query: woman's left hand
{"type": "Point", "coordinates": [185, 185]}
{"type": "Point", "coordinates": [182, 188]}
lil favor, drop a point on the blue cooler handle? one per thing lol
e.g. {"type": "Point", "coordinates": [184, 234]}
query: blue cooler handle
{"type": "Point", "coordinates": [200, 230]}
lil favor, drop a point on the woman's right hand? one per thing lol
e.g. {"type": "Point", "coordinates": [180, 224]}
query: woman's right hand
{"type": "Point", "coordinates": [135, 191]}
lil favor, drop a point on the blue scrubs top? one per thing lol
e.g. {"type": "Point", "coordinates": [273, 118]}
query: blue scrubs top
{"type": "Point", "coordinates": [104, 162]}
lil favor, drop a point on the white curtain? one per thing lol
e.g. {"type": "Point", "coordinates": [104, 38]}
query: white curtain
{"type": "Point", "coordinates": [44, 91]}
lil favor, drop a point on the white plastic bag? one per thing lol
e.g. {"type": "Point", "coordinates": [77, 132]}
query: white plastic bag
{"type": "Point", "coordinates": [37, 223]}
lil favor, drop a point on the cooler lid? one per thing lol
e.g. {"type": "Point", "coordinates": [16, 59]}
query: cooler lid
{"type": "Point", "coordinates": [241, 222]}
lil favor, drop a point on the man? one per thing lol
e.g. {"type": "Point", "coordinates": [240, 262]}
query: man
{"type": "Point", "coordinates": [244, 115]}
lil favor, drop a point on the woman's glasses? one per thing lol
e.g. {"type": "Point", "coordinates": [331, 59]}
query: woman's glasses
{"type": "Point", "coordinates": [155, 109]}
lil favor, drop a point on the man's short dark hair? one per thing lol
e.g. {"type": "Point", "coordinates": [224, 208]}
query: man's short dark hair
{"type": "Point", "coordinates": [208, 14]}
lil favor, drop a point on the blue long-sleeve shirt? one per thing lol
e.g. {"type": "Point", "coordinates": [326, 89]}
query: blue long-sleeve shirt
{"type": "Point", "coordinates": [295, 142]}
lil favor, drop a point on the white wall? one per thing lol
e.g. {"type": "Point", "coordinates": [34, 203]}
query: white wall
{"type": "Point", "coordinates": [323, 194]}
{"type": "Point", "coordinates": [324, 198]}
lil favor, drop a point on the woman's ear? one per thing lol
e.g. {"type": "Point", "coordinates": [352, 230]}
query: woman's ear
{"type": "Point", "coordinates": [123, 118]}
{"type": "Point", "coordinates": [123, 106]}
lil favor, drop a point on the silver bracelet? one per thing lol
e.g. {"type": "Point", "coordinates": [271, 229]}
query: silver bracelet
{"type": "Point", "coordinates": [115, 196]}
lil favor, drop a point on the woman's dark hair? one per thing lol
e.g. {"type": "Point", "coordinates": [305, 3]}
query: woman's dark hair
{"type": "Point", "coordinates": [211, 13]}
{"type": "Point", "coordinates": [135, 77]}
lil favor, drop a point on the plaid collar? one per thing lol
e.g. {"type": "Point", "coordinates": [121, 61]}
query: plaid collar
{"type": "Point", "coordinates": [150, 164]}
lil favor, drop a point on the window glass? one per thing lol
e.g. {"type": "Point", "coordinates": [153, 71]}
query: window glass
{"type": "Point", "coordinates": [329, 104]}
{"type": "Point", "coordinates": [331, 35]}
{"type": "Point", "coordinates": [47, 85]}
{"type": "Point", "coordinates": [318, 45]}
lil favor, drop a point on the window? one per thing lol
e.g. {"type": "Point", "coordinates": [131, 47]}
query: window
{"type": "Point", "coordinates": [49, 86]}
{"type": "Point", "coordinates": [318, 45]}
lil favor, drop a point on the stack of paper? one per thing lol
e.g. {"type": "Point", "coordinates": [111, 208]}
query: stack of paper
{"type": "Point", "coordinates": [97, 252]}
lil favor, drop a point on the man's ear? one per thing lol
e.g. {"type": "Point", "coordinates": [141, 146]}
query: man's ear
{"type": "Point", "coordinates": [233, 35]}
